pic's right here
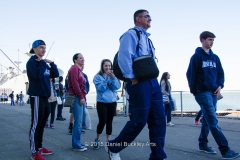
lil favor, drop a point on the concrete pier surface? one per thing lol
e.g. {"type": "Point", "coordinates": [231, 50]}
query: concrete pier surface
{"type": "Point", "coordinates": [181, 139]}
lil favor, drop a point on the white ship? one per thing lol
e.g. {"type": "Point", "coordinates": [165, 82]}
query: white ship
{"type": "Point", "coordinates": [15, 80]}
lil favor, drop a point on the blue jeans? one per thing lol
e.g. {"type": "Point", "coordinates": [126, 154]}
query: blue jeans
{"type": "Point", "coordinates": [168, 112]}
{"type": "Point", "coordinates": [77, 126]}
{"type": "Point", "coordinates": [12, 101]}
{"type": "Point", "coordinates": [145, 106]}
{"type": "Point", "coordinates": [83, 119]}
{"type": "Point", "coordinates": [59, 110]}
{"type": "Point", "coordinates": [207, 101]}
{"type": "Point", "coordinates": [21, 102]}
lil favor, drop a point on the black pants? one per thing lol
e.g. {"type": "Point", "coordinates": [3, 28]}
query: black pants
{"type": "Point", "coordinates": [59, 110]}
{"type": "Point", "coordinates": [39, 114]}
{"type": "Point", "coordinates": [52, 108]}
{"type": "Point", "coordinates": [105, 112]}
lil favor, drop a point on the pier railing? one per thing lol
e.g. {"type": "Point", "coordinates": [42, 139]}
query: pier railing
{"type": "Point", "coordinates": [186, 105]}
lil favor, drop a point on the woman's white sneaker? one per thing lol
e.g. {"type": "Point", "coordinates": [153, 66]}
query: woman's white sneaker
{"type": "Point", "coordinates": [170, 124]}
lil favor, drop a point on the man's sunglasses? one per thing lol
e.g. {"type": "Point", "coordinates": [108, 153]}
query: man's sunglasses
{"type": "Point", "coordinates": [147, 16]}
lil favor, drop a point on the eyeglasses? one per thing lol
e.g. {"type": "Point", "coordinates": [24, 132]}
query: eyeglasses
{"type": "Point", "coordinates": [147, 16]}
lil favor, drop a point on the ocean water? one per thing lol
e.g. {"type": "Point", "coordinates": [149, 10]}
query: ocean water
{"type": "Point", "coordinates": [91, 99]}
{"type": "Point", "coordinates": [231, 100]}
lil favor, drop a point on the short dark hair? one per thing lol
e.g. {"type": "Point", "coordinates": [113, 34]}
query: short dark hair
{"type": "Point", "coordinates": [60, 79]}
{"type": "Point", "coordinates": [101, 67]}
{"type": "Point", "coordinates": [206, 34]}
{"type": "Point", "coordinates": [75, 57]}
{"type": "Point", "coordinates": [137, 13]}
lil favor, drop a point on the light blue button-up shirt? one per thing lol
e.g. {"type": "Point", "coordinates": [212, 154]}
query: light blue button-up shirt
{"type": "Point", "coordinates": [127, 50]}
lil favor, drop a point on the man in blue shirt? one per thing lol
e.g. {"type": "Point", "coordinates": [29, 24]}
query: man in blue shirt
{"type": "Point", "coordinates": [12, 98]}
{"type": "Point", "coordinates": [205, 77]}
{"type": "Point", "coordinates": [21, 98]}
{"type": "Point", "coordinates": [145, 97]}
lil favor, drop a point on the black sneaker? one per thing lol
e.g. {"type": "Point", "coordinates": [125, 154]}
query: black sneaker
{"type": "Point", "coordinates": [207, 149]}
{"type": "Point", "coordinates": [83, 131]}
{"type": "Point", "coordinates": [70, 130]}
{"type": "Point", "coordinates": [60, 119]}
{"type": "Point", "coordinates": [230, 155]}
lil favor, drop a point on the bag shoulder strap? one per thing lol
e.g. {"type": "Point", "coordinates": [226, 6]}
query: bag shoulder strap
{"type": "Point", "coordinates": [138, 35]}
{"type": "Point", "coordinates": [150, 42]}
{"type": "Point", "coordinates": [152, 47]}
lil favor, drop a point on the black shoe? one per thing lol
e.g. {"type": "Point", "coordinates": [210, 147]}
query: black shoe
{"type": "Point", "coordinates": [60, 119]}
{"type": "Point", "coordinates": [83, 131]}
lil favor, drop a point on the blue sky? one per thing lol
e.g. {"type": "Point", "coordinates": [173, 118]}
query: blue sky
{"type": "Point", "coordinates": [93, 28]}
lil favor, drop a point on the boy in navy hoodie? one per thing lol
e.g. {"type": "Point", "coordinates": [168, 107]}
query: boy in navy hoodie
{"type": "Point", "coordinates": [39, 74]}
{"type": "Point", "coordinates": [205, 77]}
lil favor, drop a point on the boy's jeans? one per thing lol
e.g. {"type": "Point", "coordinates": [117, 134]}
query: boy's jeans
{"type": "Point", "coordinates": [207, 101]}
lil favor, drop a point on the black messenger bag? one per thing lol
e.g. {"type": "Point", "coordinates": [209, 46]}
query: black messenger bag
{"type": "Point", "coordinates": [145, 68]}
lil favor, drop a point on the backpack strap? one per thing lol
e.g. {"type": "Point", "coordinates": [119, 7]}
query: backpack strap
{"type": "Point", "coordinates": [138, 35]}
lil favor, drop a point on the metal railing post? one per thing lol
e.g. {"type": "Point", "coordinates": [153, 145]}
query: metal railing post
{"type": "Point", "coordinates": [181, 104]}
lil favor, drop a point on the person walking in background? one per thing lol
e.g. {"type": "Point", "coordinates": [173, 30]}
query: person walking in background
{"type": "Point", "coordinates": [76, 86]}
{"type": "Point", "coordinates": [39, 91]}
{"type": "Point", "coordinates": [21, 99]}
{"type": "Point", "coordinates": [12, 98]}
{"type": "Point", "coordinates": [205, 77]}
{"type": "Point", "coordinates": [2, 98]}
{"type": "Point", "coordinates": [106, 87]}
{"type": "Point", "coordinates": [52, 103]}
{"type": "Point", "coordinates": [167, 98]}
{"type": "Point", "coordinates": [5, 98]}
{"type": "Point", "coordinates": [17, 96]}
{"type": "Point", "coordinates": [145, 97]}
{"type": "Point", "coordinates": [60, 92]}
